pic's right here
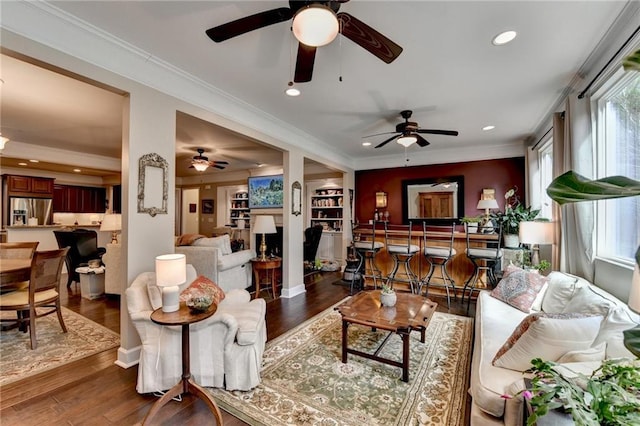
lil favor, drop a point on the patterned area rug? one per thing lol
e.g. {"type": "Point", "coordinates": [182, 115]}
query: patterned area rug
{"type": "Point", "coordinates": [304, 381]}
{"type": "Point", "coordinates": [55, 348]}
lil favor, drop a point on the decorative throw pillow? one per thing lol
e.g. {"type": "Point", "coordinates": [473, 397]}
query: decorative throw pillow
{"type": "Point", "coordinates": [519, 288]}
{"type": "Point", "coordinates": [188, 239]}
{"type": "Point", "coordinates": [222, 242]}
{"type": "Point", "coordinates": [561, 288]}
{"type": "Point", "coordinates": [595, 353]}
{"type": "Point", "coordinates": [200, 285]}
{"type": "Point", "coordinates": [546, 336]}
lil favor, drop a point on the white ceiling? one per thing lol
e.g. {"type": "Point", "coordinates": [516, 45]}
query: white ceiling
{"type": "Point", "coordinates": [449, 73]}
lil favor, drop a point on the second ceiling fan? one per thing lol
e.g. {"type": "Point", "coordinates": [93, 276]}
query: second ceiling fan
{"type": "Point", "coordinates": [310, 19]}
{"type": "Point", "coordinates": [409, 132]}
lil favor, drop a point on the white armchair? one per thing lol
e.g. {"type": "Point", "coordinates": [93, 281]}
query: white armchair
{"type": "Point", "coordinates": [212, 257]}
{"type": "Point", "coordinates": [226, 349]}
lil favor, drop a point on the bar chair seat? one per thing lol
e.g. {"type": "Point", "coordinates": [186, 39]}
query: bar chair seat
{"type": "Point", "coordinates": [367, 248]}
{"type": "Point", "coordinates": [438, 251]}
{"type": "Point", "coordinates": [485, 258]}
{"type": "Point", "coordinates": [402, 253]}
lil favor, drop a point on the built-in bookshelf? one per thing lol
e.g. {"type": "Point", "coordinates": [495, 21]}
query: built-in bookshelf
{"type": "Point", "coordinates": [326, 208]}
{"type": "Point", "coordinates": [239, 208]}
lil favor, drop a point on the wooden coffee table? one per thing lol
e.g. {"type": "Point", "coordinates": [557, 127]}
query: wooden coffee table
{"type": "Point", "coordinates": [411, 312]}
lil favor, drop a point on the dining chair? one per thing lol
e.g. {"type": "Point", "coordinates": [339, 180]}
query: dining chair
{"type": "Point", "coordinates": [484, 250]}
{"type": "Point", "coordinates": [399, 246]}
{"type": "Point", "coordinates": [438, 251]}
{"type": "Point", "coordinates": [43, 291]}
{"type": "Point", "coordinates": [23, 250]}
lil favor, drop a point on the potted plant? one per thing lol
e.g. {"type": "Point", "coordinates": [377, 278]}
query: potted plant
{"type": "Point", "coordinates": [387, 296]}
{"type": "Point", "coordinates": [510, 219]}
{"type": "Point", "coordinates": [471, 223]}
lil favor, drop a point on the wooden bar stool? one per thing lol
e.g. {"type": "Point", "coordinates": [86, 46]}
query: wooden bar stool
{"type": "Point", "coordinates": [367, 248]}
{"type": "Point", "coordinates": [485, 252]}
{"type": "Point", "coordinates": [398, 243]}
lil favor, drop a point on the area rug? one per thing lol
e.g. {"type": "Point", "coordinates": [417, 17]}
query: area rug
{"type": "Point", "coordinates": [304, 381]}
{"type": "Point", "coordinates": [55, 348]}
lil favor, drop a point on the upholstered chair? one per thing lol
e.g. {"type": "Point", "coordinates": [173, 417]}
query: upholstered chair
{"type": "Point", "coordinates": [226, 349]}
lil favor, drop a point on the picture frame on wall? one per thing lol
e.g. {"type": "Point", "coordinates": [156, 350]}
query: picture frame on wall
{"type": "Point", "coordinates": [192, 207]}
{"type": "Point", "coordinates": [207, 206]}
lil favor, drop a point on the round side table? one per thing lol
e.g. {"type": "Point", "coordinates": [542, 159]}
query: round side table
{"type": "Point", "coordinates": [271, 264]}
{"type": "Point", "coordinates": [183, 317]}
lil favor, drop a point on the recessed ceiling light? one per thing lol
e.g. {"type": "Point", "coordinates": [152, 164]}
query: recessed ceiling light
{"type": "Point", "coordinates": [504, 38]}
{"type": "Point", "coordinates": [77, 170]}
{"type": "Point", "coordinates": [366, 143]}
{"type": "Point", "coordinates": [22, 164]}
{"type": "Point", "coordinates": [485, 128]}
{"type": "Point", "coordinates": [34, 161]}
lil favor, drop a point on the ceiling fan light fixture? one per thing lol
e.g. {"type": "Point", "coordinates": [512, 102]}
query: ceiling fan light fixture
{"type": "Point", "coordinates": [292, 90]}
{"type": "Point", "coordinates": [315, 25]}
{"type": "Point", "coordinates": [406, 140]}
{"type": "Point", "coordinates": [200, 165]}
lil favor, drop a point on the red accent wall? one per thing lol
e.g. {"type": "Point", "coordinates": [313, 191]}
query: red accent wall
{"type": "Point", "coordinates": [500, 175]}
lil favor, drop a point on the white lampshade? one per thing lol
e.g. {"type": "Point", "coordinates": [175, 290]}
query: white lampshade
{"type": "Point", "coordinates": [634, 296]}
{"type": "Point", "coordinates": [171, 271]}
{"type": "Point", "coordinates": [113, 224]}
{"type": "Point", "coordinates": [315, 25]}
{"type": "Point", "coordinates": [264, 225]}
{"type": "Point", "coordinates": [406, 140]}
{"type": "Point", "coordinates": [536, 232]}
{"type": "Point", "coordinates": [487, 204]}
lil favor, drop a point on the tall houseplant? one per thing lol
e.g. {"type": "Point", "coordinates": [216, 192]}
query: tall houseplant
{"type": "Point", "coordinates": [509, 220]}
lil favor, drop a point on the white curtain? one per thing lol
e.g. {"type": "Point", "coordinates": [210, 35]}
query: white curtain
{"type": "Point", "coordinates": [573, 150]}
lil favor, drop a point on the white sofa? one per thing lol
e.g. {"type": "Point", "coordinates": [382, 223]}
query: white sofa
{"type": "Point", "coordinates": [497, 320]}
{"type": "Point", "coordinates": [212, 257]}
{"type": "Point", "coordinates": [225, 349]}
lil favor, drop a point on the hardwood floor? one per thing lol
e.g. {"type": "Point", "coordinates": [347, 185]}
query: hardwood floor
{"type": "Point", "coordinates": [94, 391]}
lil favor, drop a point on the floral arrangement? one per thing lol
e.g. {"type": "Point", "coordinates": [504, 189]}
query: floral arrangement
{"type": "Point", "coordinates": [386, 289]}
{"type": "Point", "coordinates": [514, 213]}
{"type": "Point", "coordinates": [610, 396]}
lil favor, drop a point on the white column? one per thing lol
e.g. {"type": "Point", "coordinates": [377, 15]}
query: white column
{"type": "Point", "coordinates": [293, 232]}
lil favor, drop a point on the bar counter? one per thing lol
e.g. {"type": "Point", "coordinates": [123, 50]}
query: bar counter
{"type": "Point", "coordinates": [460, 268]}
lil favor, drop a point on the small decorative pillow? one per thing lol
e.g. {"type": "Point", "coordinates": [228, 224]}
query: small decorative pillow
{"type": "Point", "coordinates": [200, 285]}
{"type": "Point", "coordinates": [546, 336]}
{"type": "Point", "coordinates": [519, 288]}
{"type": "Point", "coordinates": [595, 353]}
{"type": "Point", "coordinates": [188, 239]}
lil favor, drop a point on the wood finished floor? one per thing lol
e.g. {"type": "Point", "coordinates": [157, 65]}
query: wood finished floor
{"type": "Point", "coordinates": [94, 391]}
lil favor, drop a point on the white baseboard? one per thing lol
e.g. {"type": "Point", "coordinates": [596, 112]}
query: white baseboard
{"type": "Point", "coordinates": [288, 293]}
{"type": "Point", "coordinates": [128, 357]}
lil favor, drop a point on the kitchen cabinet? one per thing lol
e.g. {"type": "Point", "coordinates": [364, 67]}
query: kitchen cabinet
{"type": "Point", "coordinates": [78, 199]}
{"type": "Point", "coordinates": [28, 186]}
{"type": "Point", "coordinates": [330, 247]}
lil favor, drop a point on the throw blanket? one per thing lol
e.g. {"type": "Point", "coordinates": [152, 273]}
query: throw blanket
{"type": "Point", "coordinates": [188, 239]}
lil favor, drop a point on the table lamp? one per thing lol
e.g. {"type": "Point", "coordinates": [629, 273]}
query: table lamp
{"type": "Point", "coordinates": [264, 225]}
{"type": "Point", "coordinates": [113, 223]}
{"type": "Point", "coordinates": [171, 271]}
{"type": "Point", "coordinates": [486, 205]}
{"type": "Point", "coordinates": [536, 233]}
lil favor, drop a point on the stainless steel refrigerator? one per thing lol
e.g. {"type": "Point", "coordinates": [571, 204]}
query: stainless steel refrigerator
{"type": "Point", "coordinates": [25, 211]}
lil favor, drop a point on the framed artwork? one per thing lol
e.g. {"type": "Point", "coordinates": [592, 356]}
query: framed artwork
{"type": "Point", "coordinates": [265, 191]}
{"type": "Point", "coordinates": [207, 206]}
{"type": "Point", "coordinates": [296, 198]}
{"type": "Point", "coordinates": [192, 207]}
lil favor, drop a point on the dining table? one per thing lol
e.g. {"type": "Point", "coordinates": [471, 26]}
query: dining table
{"type": "Point", "coordinates": [14, 271]}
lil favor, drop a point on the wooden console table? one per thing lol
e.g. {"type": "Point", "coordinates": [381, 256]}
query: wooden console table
{"type": "Point", "coordinates": [183, 317]}
{"type": "Point", "coordinates": [268, 267]}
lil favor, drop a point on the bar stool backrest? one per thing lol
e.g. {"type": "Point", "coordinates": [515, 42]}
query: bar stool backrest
{"type": "Point", "coordinates": [486, 243]}
{"type": "Point", "coordinates": [397, 235]}
{"type": "Point", "coordinates": [440, 236]}
{"type": "Point", "coordinates": [364, 235]}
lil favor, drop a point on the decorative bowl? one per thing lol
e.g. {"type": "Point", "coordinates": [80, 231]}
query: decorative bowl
{"type": "Point", "coordinates": [199, 303]}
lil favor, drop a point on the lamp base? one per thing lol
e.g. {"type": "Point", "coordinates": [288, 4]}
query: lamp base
{"type": "Point", "coordinates": [263, 250]}
{"type": "Point", "coordinates": [170, 299]}
{"type": "Point", "coordinates": [114, 237]}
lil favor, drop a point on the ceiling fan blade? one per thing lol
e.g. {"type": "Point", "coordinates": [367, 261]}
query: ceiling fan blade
{"type": "Point", "coordinates": [421, 141]}
{"type": "Point", "coordinates": [380, 145]}
{"type": "Point", "coordinates": [368, 38]}
{"type": "Point", "coordinates": [438, 132]}
{"type": "Point", "coordinates": [304, 63]}
{"type": "Point", "coordinates": [379, 134]}
{"type": "Point", "coordinates": [221, 162]}
{"type": "Point", "coordinates": [249, 23]}
{"type": "Point", "coordinates": [217, 166]}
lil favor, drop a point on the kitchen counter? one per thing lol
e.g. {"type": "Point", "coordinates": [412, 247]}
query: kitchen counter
{"type": "Point", "coordinates": [44, 234]}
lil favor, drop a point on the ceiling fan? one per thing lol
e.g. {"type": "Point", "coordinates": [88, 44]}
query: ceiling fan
{"type": "Point", "coordinates": [201, 163]}
{"type": "Point", "coordinates": [409, 132]}
{"type": "Point", "coordinates": [315, 23]}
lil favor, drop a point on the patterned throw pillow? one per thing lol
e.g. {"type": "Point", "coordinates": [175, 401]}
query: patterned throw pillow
{"type": "Point", "coordinates": [519, 288]}
{"type": "Point", "coordinates": [200, 285]}
{"type": "Point", "coordinates": [547, 336]}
